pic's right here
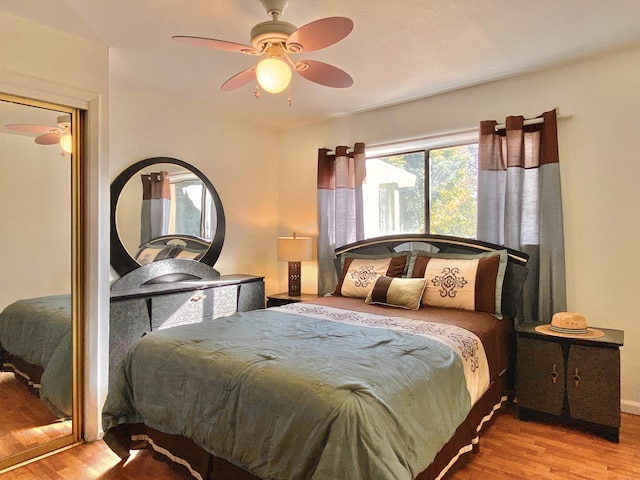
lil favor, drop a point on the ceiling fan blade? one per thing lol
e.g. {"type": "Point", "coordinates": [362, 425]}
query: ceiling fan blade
{"type": "Point", "coordinates": [239, 79]}
{"type": "Point", "coordinates": [324, 74]}
{"type": "Point", "coordinates": [48, 139]}
{"type": "Point", "coordinates": [28, 128]}
{"type": "Point", "coordinates": [216, 44]}
{"type": "Point", "coordinates": [319, 34]}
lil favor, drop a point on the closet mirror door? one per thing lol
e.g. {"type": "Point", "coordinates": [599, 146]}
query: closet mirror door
{"type": "Point", "coordinates": [40, 278]}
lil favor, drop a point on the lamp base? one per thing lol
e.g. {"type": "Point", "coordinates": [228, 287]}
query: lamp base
{"type": "Point", "coordinates": [295, 276]}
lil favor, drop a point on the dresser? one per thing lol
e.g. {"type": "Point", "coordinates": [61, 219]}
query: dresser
{"type": "Point", "coordinates": [577, 380]}
{"type": "Point", "coordinates": [136, 311]}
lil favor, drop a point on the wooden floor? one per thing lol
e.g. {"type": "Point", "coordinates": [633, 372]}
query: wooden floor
{"type": "Point", "coordinates": [509, 449]}
{"type": "Point", "coordinates": [24, 420]}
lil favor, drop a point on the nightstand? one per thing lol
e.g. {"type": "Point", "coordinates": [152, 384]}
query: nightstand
{"type": "Point", "coordinates": [577, 380]}
{"type": "Point", "coordinates": [279, 299]}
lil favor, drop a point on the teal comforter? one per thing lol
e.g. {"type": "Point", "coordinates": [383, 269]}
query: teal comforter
{"type": "Point", "coordinates": [38, 330]}
{"type": "Point", "coordinates": [286, 396]}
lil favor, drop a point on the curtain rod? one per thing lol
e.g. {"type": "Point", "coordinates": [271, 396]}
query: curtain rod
{"type": "Point", "coordinates": [447, 136]}
{"type": "Point", "coordinates": [530, 121]}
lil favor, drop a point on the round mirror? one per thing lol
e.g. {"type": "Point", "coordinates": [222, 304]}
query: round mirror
{"type": "Point", "coordinates": [164, 208]}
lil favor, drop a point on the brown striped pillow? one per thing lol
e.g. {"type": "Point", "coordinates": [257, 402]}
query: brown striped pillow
{"type": "Point", "coordinates": [397, 292]}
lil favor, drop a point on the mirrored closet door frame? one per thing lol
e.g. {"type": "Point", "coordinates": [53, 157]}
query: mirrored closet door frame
{"type": "Point", "coordinates": [77, 276]}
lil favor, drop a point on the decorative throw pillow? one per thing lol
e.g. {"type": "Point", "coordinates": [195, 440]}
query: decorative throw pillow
{"type": "Point", "coordinates": [397, 292]}
{"type": "Point", "coordinates": [457, 280]}
{"type": "Point", "coordinates": [359, 272]}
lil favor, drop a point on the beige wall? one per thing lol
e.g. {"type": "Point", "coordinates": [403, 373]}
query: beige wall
{"type": "Point", "coordinates": [35, 237]}
{"type": "Point", "coordinates": [599, 102]}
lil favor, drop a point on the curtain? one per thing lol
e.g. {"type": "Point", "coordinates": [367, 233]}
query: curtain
{"type": "Point", "coordinates": [520, 205]}
{"type": "Point", "coordinates": [156, 204]}
{"type": "Point", "coordinates": [340, 210]}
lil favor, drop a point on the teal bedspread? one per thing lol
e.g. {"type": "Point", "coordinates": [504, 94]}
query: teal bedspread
{"type": "Point", "coordinates": [288, 396]}
{"type": "Point", "coordinates": [38, 330]}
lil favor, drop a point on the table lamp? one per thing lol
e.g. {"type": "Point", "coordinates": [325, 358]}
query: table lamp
{"type": "Point", "coordinates": [294, 250]}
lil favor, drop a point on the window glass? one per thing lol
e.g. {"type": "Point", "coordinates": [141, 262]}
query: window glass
{"type": "Point", "coordinates": [191, 208]}
{"type": "Point", "coordinates": [426, 191]}
{"type": "Point", "coordinates": [453, 186]}
{"type": "Point", "coordinates": [393, 194]}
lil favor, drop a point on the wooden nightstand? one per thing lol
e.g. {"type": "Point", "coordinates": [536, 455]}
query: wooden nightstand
{"type": "Point", "coordinates": [279, 299]}
{"type": "Point", "coordinates": [577, 380]}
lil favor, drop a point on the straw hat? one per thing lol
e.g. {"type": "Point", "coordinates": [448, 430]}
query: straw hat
{"type": "Point", "coordinates": [570, 325]}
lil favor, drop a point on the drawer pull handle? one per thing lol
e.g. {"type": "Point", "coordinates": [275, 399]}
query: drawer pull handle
{"type": "Point", "coordinates": [554, 374]}
{"type": "Point", "coordinates": [576, 378]}
{"type": "Point", "coordinates": [197, 298]}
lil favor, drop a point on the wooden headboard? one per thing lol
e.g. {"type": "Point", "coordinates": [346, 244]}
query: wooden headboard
{"type": "Point", "coordinates": [515, 274]}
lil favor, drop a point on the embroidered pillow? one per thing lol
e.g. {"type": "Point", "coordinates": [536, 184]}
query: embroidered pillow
{"type": "Point", "coordinates": [397, 292]}
{"type": "Point", "coordinates": [359, 272]}
{"type": "Point", "coordinates": [469, 282]}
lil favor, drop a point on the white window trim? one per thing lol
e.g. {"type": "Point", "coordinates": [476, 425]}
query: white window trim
{"type": "Point", "coordinates": [436, 140]}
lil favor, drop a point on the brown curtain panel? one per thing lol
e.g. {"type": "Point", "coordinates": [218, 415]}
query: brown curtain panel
{"type": "Point", "coordinates": [156, 204]}
{"type": "Point", "coordinates": [520, 205]}
{"type": "Point", "coordinates": [340, 210]}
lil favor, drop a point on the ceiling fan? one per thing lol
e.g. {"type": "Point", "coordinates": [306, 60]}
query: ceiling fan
{"type": "Point", "coordinates": [49, 135]}
{"type": "Point", "coordinates": [276, 41]}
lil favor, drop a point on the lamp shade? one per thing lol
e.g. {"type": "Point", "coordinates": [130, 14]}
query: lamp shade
{"type": "Point", "coordinates": [294, 249]}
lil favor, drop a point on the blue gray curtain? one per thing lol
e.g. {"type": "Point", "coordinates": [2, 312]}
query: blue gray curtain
{"type": "Point", "coordinates": [520, 205]}
{"type": "Point", "coordinates": [340, 209]}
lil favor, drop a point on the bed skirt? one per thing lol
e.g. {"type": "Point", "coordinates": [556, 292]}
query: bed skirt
{"type": "Point", "coordinates": [27, 373]}
{"type": "Point", "coordinates": [205, 466]}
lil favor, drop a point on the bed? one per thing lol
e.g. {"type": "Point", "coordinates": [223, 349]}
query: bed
{"type": "Point", "coordinates": [393, 376]}
{"type": "Point", "coordinates": [35, 344]}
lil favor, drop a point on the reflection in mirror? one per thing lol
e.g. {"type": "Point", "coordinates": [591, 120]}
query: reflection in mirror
{"type": "Point", "coordinates": [38, 297]}
{"type": "Point", "coordinates": [164, 208]}
{"type": "Point", "coordinates": [165, 211]}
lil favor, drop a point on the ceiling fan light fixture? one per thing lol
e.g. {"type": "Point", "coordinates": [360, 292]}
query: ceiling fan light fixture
{"type": "Point", "coordinates": [273, 74]}
{"type": "Point", "coordinates": [66, 142]}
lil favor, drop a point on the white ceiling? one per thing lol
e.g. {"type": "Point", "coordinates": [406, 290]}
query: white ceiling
{"type": "Point", "coordinates": [399, 50]}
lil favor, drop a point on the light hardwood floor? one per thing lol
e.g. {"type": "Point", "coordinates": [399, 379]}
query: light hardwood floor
{"type": "Point", "coordinates": [509, 449]}
{"type": "Point", "coordinates": [24, 420]}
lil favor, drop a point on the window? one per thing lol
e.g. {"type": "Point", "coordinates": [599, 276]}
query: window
{"type": "Point", "coordinates": [423, 191]}
{"type": "Point", "coordinates": [192, 206]}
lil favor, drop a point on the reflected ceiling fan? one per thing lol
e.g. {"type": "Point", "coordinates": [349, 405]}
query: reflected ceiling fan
{"type": "Point", "coordinates": [275, 41]}
{"type": "Point", "coordinates": [49, 135]}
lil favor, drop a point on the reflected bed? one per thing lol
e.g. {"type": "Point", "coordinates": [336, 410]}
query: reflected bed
{"type": "Point", "coordinates": [35, 344]}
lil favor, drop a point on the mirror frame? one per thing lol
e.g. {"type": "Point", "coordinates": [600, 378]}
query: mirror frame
{"type": "Point", "coordinates": [121, 260]}
{"type": "Point", "coordinates": [78, 250]}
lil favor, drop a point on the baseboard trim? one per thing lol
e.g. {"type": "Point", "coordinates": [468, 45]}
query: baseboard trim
{"type": "Point", "coordinates": [627, 406]}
